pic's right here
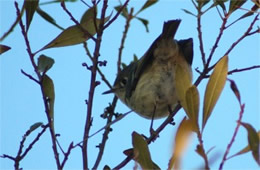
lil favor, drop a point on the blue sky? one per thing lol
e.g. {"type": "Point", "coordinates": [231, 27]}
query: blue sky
{"type": "Point", "coordinates": [21, 103]}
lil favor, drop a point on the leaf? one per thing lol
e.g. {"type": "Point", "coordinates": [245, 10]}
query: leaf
{"type": "Point", "coordinates": [200, 151]}
{"type": "Point", "coordinates": [214, 88]}
{"type": "Point", "coordinates": [74, 35]}
{"type": "Point", "coordinates": [221, 3]}
{"type": "Point", "coordinates": [245, 149]}
{"type": "Point", "coordinates": [56, 1]}
{"type": "Point", "coordinates": [142, 153]}
{"type": "Point", "coordinates": [192, 110]}
{"type": "Point", "coordinates": [44, 63]}
{"type": "Point", "coordinates": [48, 18]}
{"type": "Point", "coordinates": [147, 4]}
{"type": "Point", "coordinates": [4, 48]}
{"type": "Point", "coordinates": [124, 12]}
{"type": "Point", "coordinates": [35, 126]}
{"type": "Point", "coordinates": [88, 15]}
{"type": "Point", "coordinates": [249, 13]}
{"type": "Point", "coordinates": [145, 23]}
{"type": "Point", "coordinates": [235, 90]}
{"type": "Point", "coordinates": [188, 12]}
{"type": "Point", "coordinates": [201, 3]}
{"type": "Point", "coordinates": [49, 94]}
{"type": "Point", "coordinates": [182, 83]}
{"type": "Point", "coordinates": [234, 5]}
{"type": "Point", "coordinates": [181, 141]}
{"type": "Point", "coordinates": [253, 141]}
{"type": "Point", "coordinates": [30, 8]}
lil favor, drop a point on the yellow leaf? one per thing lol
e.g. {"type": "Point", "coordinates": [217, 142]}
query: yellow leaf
{"type": "Point", "coordinates": [182, 137]}
{"type": "Point", "coordinates": [214, 88]}
{"type": "Point", "coordinates": [182, 83]}
{"type": "Point", "coordinates": [192, 110]}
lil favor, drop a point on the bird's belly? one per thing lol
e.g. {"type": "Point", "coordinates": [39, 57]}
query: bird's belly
{"type": "Point", "coordinates": [154, 95]}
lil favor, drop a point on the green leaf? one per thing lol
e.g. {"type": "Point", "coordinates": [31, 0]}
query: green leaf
{"type": "Point", "coordinates": [192, 110]}
{"type": "Point", "coordinates": [234, 5]}
{"type": "Point", "coordinates": [182, 83]}
{"type": "Point", "coordinates": [4, 48]}
{"type": "Point", "coordinates": [56, 1]}
{"type": "Point", "coordinates": [48, 18]}
{"type": "Point", "coordinates": [221, 3]}
{"type": "Point", "coordinates": [49, 94]}
{"type": "Point", "coordinates": [124, 12]}
{"type": "Point", "coordinates": [253, 141]}
{"type": "Point", "coordinates": [181, 141]}
{"type": "Point", "coordinates": [44, 63]}
{"type": "Point", "coordinates": [188, 12]}
{"type": "Point", "coordinates": [30, 8]}
{"type": "Point", "coordinates": [245, 149]}
{"type": "Point", "coordinates": [35, 126]}
{"type": "Point", "coordinates": [145, 23]}
{"type": "Point", "coordinates": [74, 35]}
{"type": "Point", "coordinates": [147, 4]}
{"type": "Point", "coordinates": [201, 3]}
{"type": "Point", "coordinates": [141, 152]}
{"type": "Point", "coordinates": [88, 15]}
{"type": "Point", "coordinates": [214, 88]}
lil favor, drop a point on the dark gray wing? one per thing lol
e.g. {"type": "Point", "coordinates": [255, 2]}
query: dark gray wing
{"type": "Point", "coordinates": [186, 47]}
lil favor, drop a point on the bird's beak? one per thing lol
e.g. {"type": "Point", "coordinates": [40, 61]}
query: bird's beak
{"type": "Point", "coordinates": [109, 91]}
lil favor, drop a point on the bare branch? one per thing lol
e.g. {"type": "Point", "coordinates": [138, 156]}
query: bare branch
{"type": "Point", "coordinates": [29, 76]}
{"type": "Point", "coordinates": [247, 33]}
{"type": "Point", "coordinates": [243, 69]}
{"type": "Point", "coordinates": [117, 14]}
{"type": "Point", "coordinates": [96, 54]}
{"type": "Point", "coordinates": [233, 137]}
{"type": "Point", "coordinates": [127, 24]}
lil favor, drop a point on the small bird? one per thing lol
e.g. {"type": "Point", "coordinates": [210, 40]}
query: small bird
{"type": "Point", "coordinates": [147, 85]}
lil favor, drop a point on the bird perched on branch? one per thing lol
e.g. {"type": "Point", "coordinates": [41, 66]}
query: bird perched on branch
{"type": "Point", "coordinates": [147, 85]}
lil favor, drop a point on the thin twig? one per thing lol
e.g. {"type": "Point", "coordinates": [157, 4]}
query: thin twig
{"type": "Point", "coordinates": [127, 24]}
{"type": "Point", "coordinates": [44, 127]}
{"type": "Point", "coordinates": [222, 28]}
{"type": "Point", "coordinates": [204, 155]}
{"type": "Point", "coordinates": [203, 56]}
{"type": "Point", "coordinates": [233, 137]}
{"type": "Point", "coordinates": [13, 25]}
{"type": "Point", "coordinates": [103, 77]}
{"type": "Point", "coordinates": [66, 155]}
{"type": "Point", "coordinates": [244, 35]}
{"type": "Point", "coordinates": [76, 22]}
{"type": "Point", "coordinates": [102, 145]}
{"type": "Point", "coordinates": [117, 14]}
{"type": "Point", "coordinates": [243, 69]}
{"type": "Point", "coordinates": [30, 76]}
{"type": "Point", "coordinates": [45, 100]}
{"type": "Point", "coordinates": [92, 86]}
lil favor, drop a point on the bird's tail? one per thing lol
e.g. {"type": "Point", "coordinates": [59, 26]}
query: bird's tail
{"type": "Point", "coordinates": [170, 28]}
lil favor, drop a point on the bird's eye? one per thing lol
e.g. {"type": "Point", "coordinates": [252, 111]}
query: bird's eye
{"type": "Point", "coordinates": [123, 82]}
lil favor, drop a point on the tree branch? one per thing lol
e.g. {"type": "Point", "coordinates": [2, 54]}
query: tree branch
{"type": "Point", "coordinates": [92, 87]}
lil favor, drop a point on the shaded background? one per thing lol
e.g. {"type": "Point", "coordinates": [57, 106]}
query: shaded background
{"type": "Point", "coordinates": [22, 105]}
